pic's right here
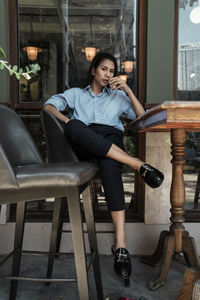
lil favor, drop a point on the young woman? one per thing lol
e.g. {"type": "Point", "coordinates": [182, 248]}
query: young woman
{"type": "Point", "coordinates": [96, 131]}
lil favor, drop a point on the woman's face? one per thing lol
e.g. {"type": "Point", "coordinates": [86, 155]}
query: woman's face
{"type": "Point", "coordinates": [103, 73]}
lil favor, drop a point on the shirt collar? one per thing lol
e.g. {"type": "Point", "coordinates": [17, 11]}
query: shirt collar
{"type": "Point", "coordinates": [105, 89]}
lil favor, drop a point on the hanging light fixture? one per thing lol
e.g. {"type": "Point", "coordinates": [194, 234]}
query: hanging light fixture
{"type": "Point", "coordinates": [128, 65]}
{"type": "Point", "coordinates": [32, 49]}
{"type": "Point", "coordinates": [195, 14]}
{"type": "Point", "coordinates": [32, 52]}
{"type": "Point", "coordinates": [90, 50]}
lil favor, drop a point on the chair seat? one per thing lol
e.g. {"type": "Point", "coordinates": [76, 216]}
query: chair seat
{"type": "Point", "coordinates": [37, 181]}
{"type": "Point", "coordinates": [67, 174]}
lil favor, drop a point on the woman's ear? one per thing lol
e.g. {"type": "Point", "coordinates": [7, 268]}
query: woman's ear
{"type": "Point", "coordinates": [93, 71]}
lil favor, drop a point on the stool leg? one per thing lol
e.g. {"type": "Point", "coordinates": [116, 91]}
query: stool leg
{"type": "Point", "coordinates": [89, 217]}
{"type": "Point", "coordinates": [78, 241]}
{"type": "Point", "coordinates": [54, 233]}
{"type": "Point", "coordinates": [60, 225]}
{"type": "Point", "coordinates": [19, 233]}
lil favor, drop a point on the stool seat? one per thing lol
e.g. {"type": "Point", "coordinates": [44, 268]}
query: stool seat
{"type": "Point", "coordinates": [33, 181]}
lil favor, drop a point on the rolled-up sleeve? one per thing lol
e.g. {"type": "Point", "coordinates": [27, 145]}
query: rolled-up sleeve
{"type": "Point", "coordinates": [126, 107]}
{"type": "Point", "coordinates": [62, 101]}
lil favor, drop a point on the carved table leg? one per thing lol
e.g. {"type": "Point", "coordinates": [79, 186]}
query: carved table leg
{"type": "Point", "coordinates": [176, 240]}
{"type": "Point", "coordinates": [169, 247]}
{"type": "Point", "coordinates": [190, 252]}
{"type": "Point", "coordinates": [153, 259]}
{"type": "Point", "coordinates": [190, 276]}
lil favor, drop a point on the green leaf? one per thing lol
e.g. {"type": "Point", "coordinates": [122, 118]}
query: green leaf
{"type": "Point", "coordinates": [11, 72]}
{"type": "Point", "coordinates": [27, 69]}
{"type": "Point", "coordinates": [1, 66]}
{"type": "Point", "coordinates": [20, 70]}
{"type": "Point", "coordinates": [37, 67]}
{"type": "Point", "coordinates": [14, 68]}
{"type": "Point", "coordinates": [17, 76]}
{"type": "Point", "coordinates": [34, 71]}
{"type": "Point", "coordinates": [2, 53]}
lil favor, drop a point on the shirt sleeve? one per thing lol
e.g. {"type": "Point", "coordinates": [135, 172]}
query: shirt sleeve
{"type": "Point", "coordinates": [126, 106]}
{"type": "Point", "coordinates": [63, 101]}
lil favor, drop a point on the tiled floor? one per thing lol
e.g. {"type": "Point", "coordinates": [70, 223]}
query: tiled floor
{"type": "Point", "coordinates": [113, 286]}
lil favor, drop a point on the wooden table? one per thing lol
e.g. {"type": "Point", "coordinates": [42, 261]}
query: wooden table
{"type": "Point", "coordinates": [176, 117]}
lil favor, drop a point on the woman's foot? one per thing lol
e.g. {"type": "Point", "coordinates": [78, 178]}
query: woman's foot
{"type": "Point", "coordinates": [122, 263]}
{"type": "Point", "coordinates": [153, 177]}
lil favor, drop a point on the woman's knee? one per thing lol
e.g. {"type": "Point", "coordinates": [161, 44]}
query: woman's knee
{"type": "Point", "coordinates": [110, 164]}
{"type": "Point", "coordinates": [74, 128]}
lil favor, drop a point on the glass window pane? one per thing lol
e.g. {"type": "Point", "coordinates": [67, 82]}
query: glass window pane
{"type": "Point", "coordinates": [61, 36]}
{"type": "Point", "coordinates": [62, 32]}
{"type": "Point", "coordinates": [188, 88]}
{"type": "Point", "coordinates": [188, 53]}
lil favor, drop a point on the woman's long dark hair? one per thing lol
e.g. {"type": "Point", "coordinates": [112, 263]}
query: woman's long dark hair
{"type": "Point", "coordinates": [96, 62]}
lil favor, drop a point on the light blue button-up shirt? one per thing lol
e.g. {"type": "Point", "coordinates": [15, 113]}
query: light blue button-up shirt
{"type": "Point", "coordinates": [104, 108]}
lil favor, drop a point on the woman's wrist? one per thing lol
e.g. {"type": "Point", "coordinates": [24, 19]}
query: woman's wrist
{"type": "Point", "coordinates": [66, 120]}
{"type": "Point", "coordinates": [129, 92]}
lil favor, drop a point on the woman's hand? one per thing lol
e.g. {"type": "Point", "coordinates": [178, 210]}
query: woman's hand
{"type": "Point", "coordinates": [117, 83]}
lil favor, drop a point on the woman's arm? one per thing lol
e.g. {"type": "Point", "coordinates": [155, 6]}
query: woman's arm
{"type": "Point", "coordinates": [56, 113]}
{"type": "Point", "coordinates": [117, 83]}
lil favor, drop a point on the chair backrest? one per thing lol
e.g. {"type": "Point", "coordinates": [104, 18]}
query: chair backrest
{"type": "Point", "coordinates": [7, 176]}
{"type": "Point", "coordinates": [15, 139]}
{"type": "Point", "coordinates": [58, 147]}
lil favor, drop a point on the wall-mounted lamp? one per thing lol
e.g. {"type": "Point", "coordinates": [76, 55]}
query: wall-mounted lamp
{"type": "Point", "coordinates": [90, 52]}
{"type": "Point", "coordinates": [32, 52]}
{"type": "Point", "coordinates": [195, 14]}
{"type": "Point", "coordinates": [128, 66]}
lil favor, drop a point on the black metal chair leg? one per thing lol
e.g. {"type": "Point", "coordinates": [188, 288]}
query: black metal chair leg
{"type": "Point", "coordinates": [60, 225]}
{"type": "Point", "coordinates": [88, 210]}
{"type": "Point", "coordinates": [54, 233]}
{"type": "Point", "coordinates": [73, 201]}
{"type": "Point", "coordinates": [19, 233]}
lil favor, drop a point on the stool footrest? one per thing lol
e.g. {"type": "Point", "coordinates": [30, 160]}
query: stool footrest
{"type": "Point", "coordinates": [38, 279]}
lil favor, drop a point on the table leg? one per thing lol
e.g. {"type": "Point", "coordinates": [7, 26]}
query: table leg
{"type": "Point", "coordinates": [190, 252]}
{"type": "Point", "coordinates": [176, 240]}
{"type": "Point", "coordinates": [153, 259]}
{"type": "Point", "coordinates": [169, 247]}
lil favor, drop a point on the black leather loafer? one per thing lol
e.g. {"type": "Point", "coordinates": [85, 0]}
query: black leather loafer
{"type": "Point", "coordinates": [122, 264]}
{"type": "Point", "coordinates": [151, 176]}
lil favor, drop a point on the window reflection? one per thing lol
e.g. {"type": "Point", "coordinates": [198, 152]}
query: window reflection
{"type": "Point", "coordinates": [189, 90]}
{"type": "Point", "coordinates": [63, 31]}
{"type": "Point", "coordinates": [188, 53]}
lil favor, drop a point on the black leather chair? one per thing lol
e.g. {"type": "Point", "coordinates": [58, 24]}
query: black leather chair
{"type": "Point", "coordinates": [60, 150]}
{"type": "Point", "coordinates": [24, 177]}
{"type": "Point", "coordinates": [197, 190]}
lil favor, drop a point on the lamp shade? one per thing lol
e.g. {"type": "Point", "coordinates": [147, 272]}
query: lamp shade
{"type": "Point", "coordinates": [90, 52]}
{"type": "Point", "coordinates": [32, 52]}
{"type": "Point", "coordinates": [128, 66]}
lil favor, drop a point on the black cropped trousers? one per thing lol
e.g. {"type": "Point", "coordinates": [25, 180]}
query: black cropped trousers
{"type": "Point", "coordinates": [94, 141]}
